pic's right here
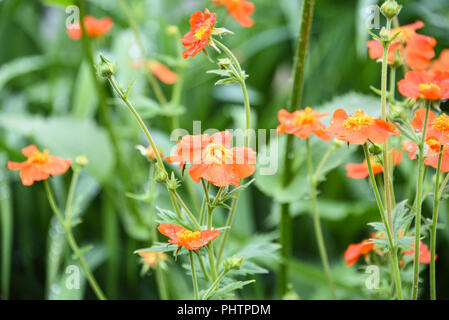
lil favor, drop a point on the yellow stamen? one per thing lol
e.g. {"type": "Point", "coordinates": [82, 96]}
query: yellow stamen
{"type": "Point", "coordinates": [304, 117]}
{"type": "Point", "coordinates": [199, 34]}
{"type": "Point", "coordinates": [358, 120]}
{"type": "Point", "coordinates": [217, 153]}
{"type": "Point", "coordinates": [441, 123]}
{"type": "Point", "coordinates": [188, 236]}
{"type": "Point", "coordinates": [39, 157]}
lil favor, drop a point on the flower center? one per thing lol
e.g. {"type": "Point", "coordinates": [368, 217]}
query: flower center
{"type": "Point", "coordinates": [429, 87]}
{"type": "Point", "coordinates": [358, 120]}
{"type": "Point", "coordinates": [433, 144]}
{"type": "Point", "coordinates": [304, 117]}
{"type": "Point", "coordinates": [441, 123]}
{"type": "Point", "coordinates": [199, 34]}
{"type": "Point", "coordinates": [188, 236]}
{"type": "Point", "coordinates": [217, 153]}
{"type": "Point", "coordinates": [39, 157]}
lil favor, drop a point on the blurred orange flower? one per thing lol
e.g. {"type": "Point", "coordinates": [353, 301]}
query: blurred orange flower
{"type": "Point", "coordinates": [442, 63]}
{"type": "Point", "coordinates": [149, 152]}
{"type": "Point", "coordinates": [428, 84]}
{"type": "Point", "coordinates": [419, 51]}
{"type": "Point", "coordinates": [424, 253]}
{"type": "Point", "coordinates": [356, 250]}
{"type": "Point", "coordinates": [214, 160]}
{"type": "Point", "coordinates": [240, 10]}
{"type": "Point", "coordinates": [303, 123]}
{"type": "Point", "coordinates": [94, 27]}
{"type": "Point", "coordinates": [201, 26]}
{"type": "Point", "coordinates": [360, 170]}
{"type": "Point", "coordinates": [191, 240]}
{"type": "Point", "coordinates": [359, 128]}
{"type": "Point", "coordinates": [161, 71]}
{"type": "Point", "coordinates": [432, 153]}
{"type": "Point", "coordinates": [39, 165]}
{"type": "Point", "coordinates": [152, 258]}
{"type": "Point", "coordinates": [437, 127]}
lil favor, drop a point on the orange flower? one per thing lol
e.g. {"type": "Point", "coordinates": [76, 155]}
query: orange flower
{"type": "Point", "coordinates": [303, 123]}
{"type": "Point", "coordinates": [428, 84]}
{"type": "Point", "coordinates": [201, 26]}
{"type": "Point", "coordinates": [149, 152]}
{"type": "Point", "coordinates": [419, 51]}
{"type": "Point", "coordinates": [94, 27]}
{"type": "Point", "coordinates": [214, 160]}
{"type": "Point", "coordinates": [240, 10]}
{"type": "Point", "coordinates": [359, 127]}
{"type": "Point", "coordinates": [355, 251]}
{"type": "Point", "coordinates": [161, 71]}
{"type": "Point", "coordinates": [432, 153]}
{"type": "Point", "coordinates": [152, 258]}
{"type": "Point", "coordinates": [39, 166]}
{"type": "Point", "coordinates": [360, 170]}
{"type": "Point", "coordinates": [424, 253]}
{"type": "Point", "coordinates": [437, 127]}
{"type": "Point", "coordinates": [191, 240]}
{"type": "Point", "coordinates": [442, 63]}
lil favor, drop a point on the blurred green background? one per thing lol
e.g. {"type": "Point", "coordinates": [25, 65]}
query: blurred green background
{"type": "Point", "coordinates": [48, 97]}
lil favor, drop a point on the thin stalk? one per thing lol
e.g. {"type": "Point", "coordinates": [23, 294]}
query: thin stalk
{"type": "Point", "coordinates": [323, 162]}
{"type": "Point", "coordinates": [294, 102]}
{"type": "Point", "coordinates": [205, 202]}
{"type": "Point", "coordinates": [194, 280]}
{"type": "Point", "coordinates": [317, 223]}
{"type": "Point", "coordinates": [214, 284]}
{"type": "Point", "coordinates": [433, 234]}
{"type": "Point", "coordinates": [6, 222]}
{"type": "Point", "coordinates": [74, 246]}
{"type": "Point", "coordinates": [71, 194]}
{"type": "Point", "coordinates": [443, 185]}
{"type": "Point", "coordinates": [393, 251]}
{"type": "Point", "coordinates": [213, 268]}
{"type": "Point", "coordinates": [419, 207]}
{"type": "Point", "coordinates": [203, 268]}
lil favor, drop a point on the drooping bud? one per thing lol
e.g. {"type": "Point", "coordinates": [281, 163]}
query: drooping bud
{"type": "Point", "coordinates": [161, 175]}
{"type": "Point", "coordinates": [224, 63]}
{"type": "Point", "coordinates": [233, 263]}
{"type": "Point", "coordinates": [390, 9]}
{"type": "Point", "coordinates": [375, 149]}
{"type": "Point", "coordinates": [397, 112]}
{"type": "Point", "coordinates": [106, 68]}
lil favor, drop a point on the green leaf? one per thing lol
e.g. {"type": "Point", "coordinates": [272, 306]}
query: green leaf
{"type": "Point", "coordinates": [228, 289]}
{"type": "Point", "coordinates": [149, 108]}
{"type": "Point", "coordinates": [85, 96]}
{"type": "Point", "coordinates": [159, 247]}
{"type": "Point", "coordinates": [20, 67]}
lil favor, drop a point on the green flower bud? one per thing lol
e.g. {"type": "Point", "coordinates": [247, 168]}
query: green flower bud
{"type": "Point", "coordinates": [390, 9]}
{"type": "Point", "coordinates": [106, 68]}
{"type": "Point", "coordinates": [81, 160]}
{"type": "Point", "coordinates": [338, 143]}
{"type": "Point", "coordinates": [375, 149]}
{"type": "Point", "coordinates": [161, 175]}
{"type": "Point", "coordinates": [233, 263]}
{"type": "Point", "coordinates": [173, 183]}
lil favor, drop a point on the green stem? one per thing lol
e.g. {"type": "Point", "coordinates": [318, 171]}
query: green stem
{"type": "Point", "coordinates": [393, 251]}
{"type": "Point", "coordinates": [317, 223]}
{"type": "Point", "coordinates": [71, 194]}
{"type": "Point", "coordinates": [194, 280]}
{"type": "Point", "coordinates": [443, 185]}
{"type": "Point", "coordinates": [213, 268]}
{"type": "Point", "coordinates": [205, 202]}
{"type": "Point", "coordinates": [323, 162]}
{"type": "Point", "coordinates": [203, 268]}
{"type": "Point", "coordinates": [294, 102]}
{"type": "Point", "coordinates": [433, 234]}
{"type": "Point", "coordinates": [214, 285]}
{"type": "Point", "coordinates": [76, 251]}
{"type": "Point", "coordinates": [6, 222]}
{"type": "Point", "coordinates": [419, 207]}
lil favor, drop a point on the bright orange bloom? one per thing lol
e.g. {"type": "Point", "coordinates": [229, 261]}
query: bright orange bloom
{"type": "Point", "coordinates": [432, 153]}
{"type": "Point", "coordinates": [214, 160]}
{"type": "Point", "coordinates": [442, 63]}
{"type": "Point", "coordinates": [152, 258]}
{"type": "Point", "coordinates": [39, 166]}
{"type": "Point", "coordinates": [437, 127]}
{"type": "Point", "coordinates": [360, 170]}
{"type": "Point", "coordinates": [406, 32]}
{"type": "Point", "coordinates": [201, 26]}
{"type": "Point", "coordinates": [424, 253]}
{"type": "Point", "coordinates": [359, 127]}
{"type": "Point", "coordinates": [428, 84]}
{"type": "Point", "coordinates": [419, 51]}
{"type": "Point", "coordinates": [303, 123]}
{"type": "Point", "coordinates": [356, 250]}
{"type": "Point", "coordinates": [94, 27]}
{"type": "Point", "coordinates": [240, 10]}
{"type": "Point", "coordinates": [191, 240]}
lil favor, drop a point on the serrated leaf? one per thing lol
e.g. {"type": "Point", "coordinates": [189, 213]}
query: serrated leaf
{"type": "Point", "coordinates": [230, 288]}
{"type": "Point", "coordinates": [159, 247]}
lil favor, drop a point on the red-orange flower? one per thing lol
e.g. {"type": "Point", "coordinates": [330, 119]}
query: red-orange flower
{"type": "Point", "coordinates": [432, 153]}
{"type": "Point", "coordinates": [437, 127]}
{"type": "Point", "coordinates": [240, 10]}
{"type": "Point", "coordinates": [424, 253]}
{"type": "Point", "coordinates": [359, 127]}
{"type": "Point", "coordinates": [161, 71]}
{"type": "Point", "coordinates": [442, 63]}
{"type": "Point", "coordinates": [201, 26]}
{"type": "Point", "coordinates": [192, 240]}
{"type": "Point", "coordinates": [39, 165]}
{"type": "Point", "coordinates": [360, 170]}
{"type": "Point", "coordinates": [94, 27]}
{"type": "Point", "coordinates": [428, 84]}
{"type": "Point", "coordinates": [149, 152]}
{"type": "Point", "coordinates": [419, 51]}
{"type": "Point", "coordinates": [214, 160]}
{"type": "Point", "coordinates": [152, 258]}
{"type": "Point", "coordinates": [356, 250]}
{"type": "Point", "coordinates": [303, 123]}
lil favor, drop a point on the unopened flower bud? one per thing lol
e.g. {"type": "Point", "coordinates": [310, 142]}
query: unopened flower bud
{"type": "Point", "coordinates": [338, 143]}
{"type": "Point", "coordinates": [397, 112]}
{"type": "Point", "coordinates": [106, 68]}
{"type": "Point", "coordinates": [161, 174]}
{"type": "Point", "coordinates": [224, 63]}
{"type": "Point", "coordinates": [233, 263]}
{"type": "Point", "coordinates": [375, 149]}
{"type": "Point", "coordinates": [172, 183]}
{"type": "Point", "coordinates": [81, 160]}
{"type": "Point", "coordinates": [390, 9]}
